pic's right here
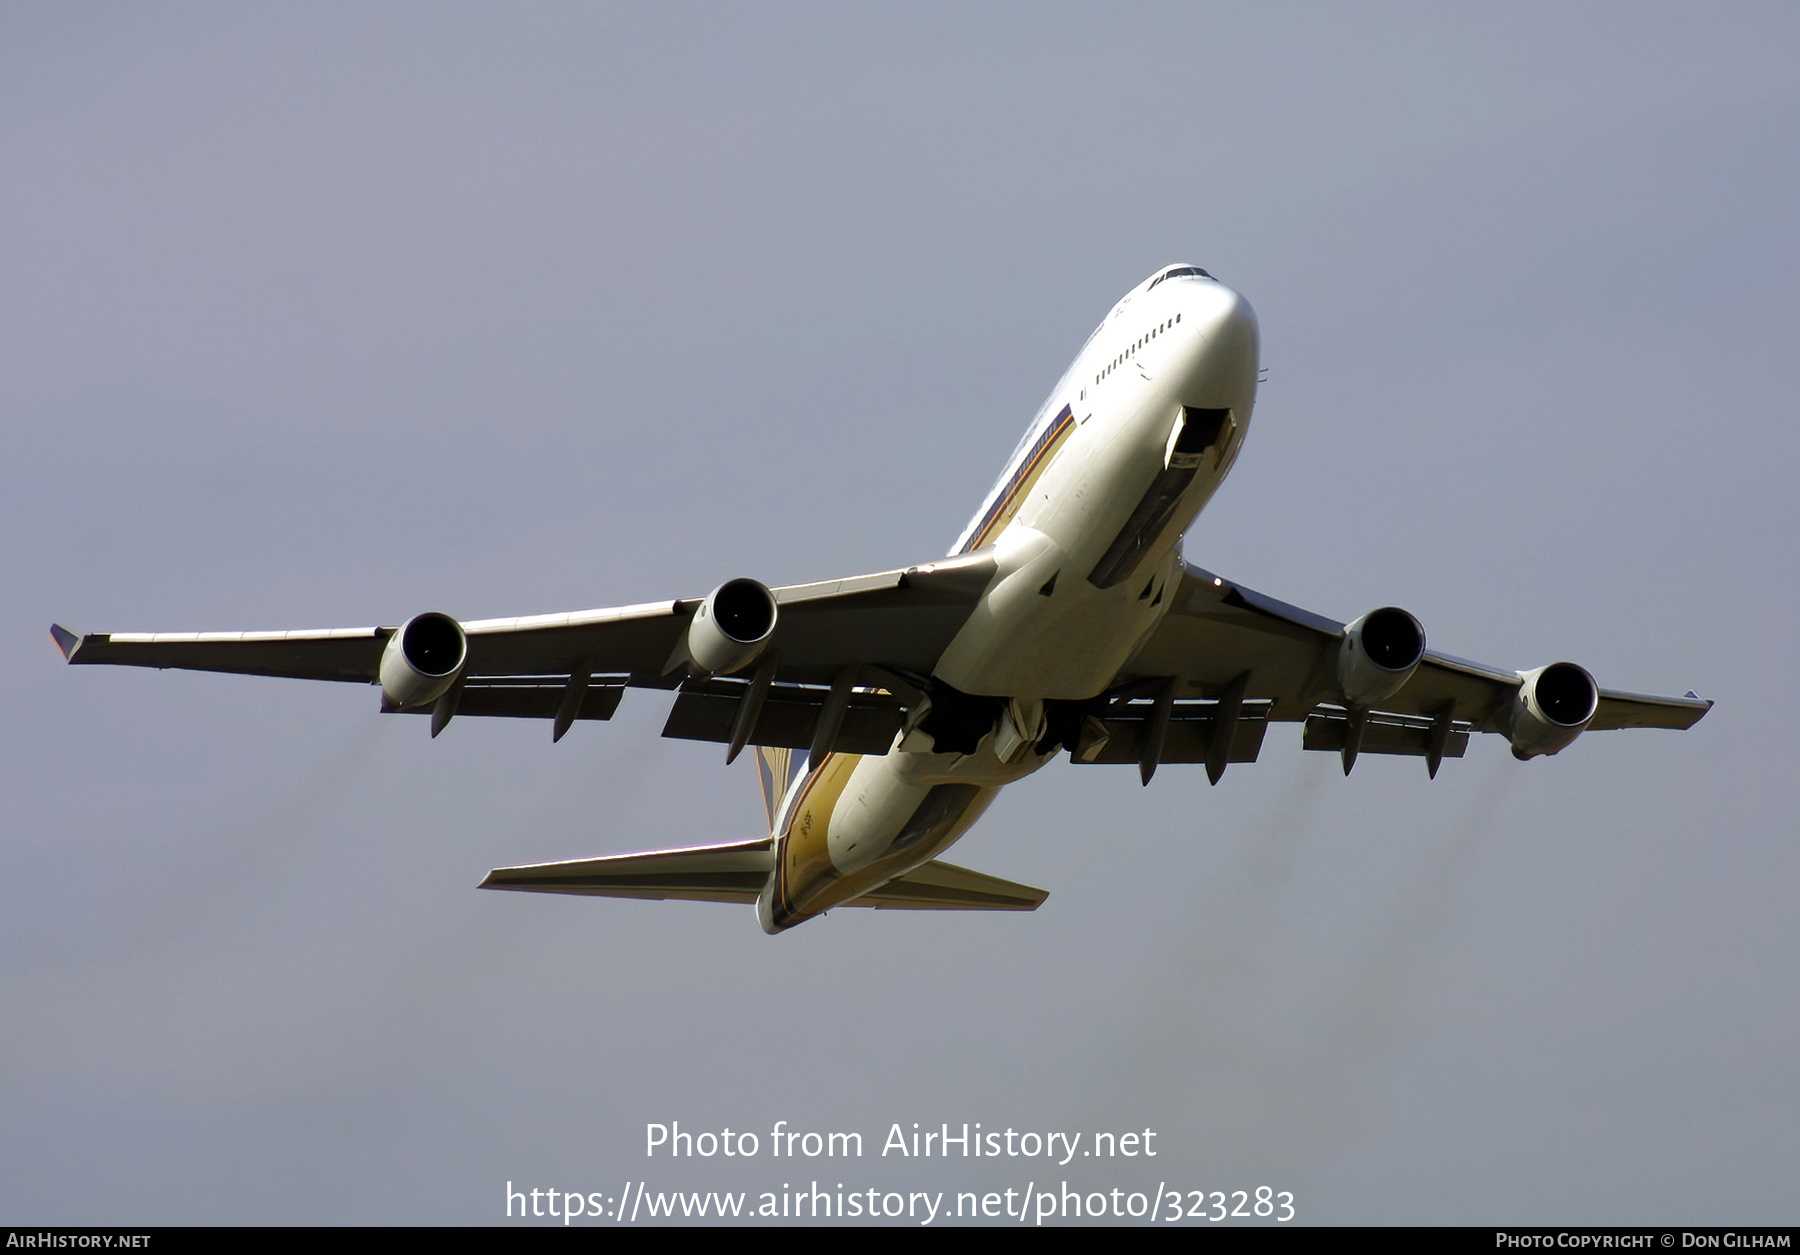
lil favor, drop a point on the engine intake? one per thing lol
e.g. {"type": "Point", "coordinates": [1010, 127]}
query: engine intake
{"type": "Point", "coordinates": [732, 627]}
{"type": "Point", "coordinates": [1553, 706]}
{"type": "Point", "coordinates": [1380, 652]}
{"type": "Point", "coordinates": [422, 659]}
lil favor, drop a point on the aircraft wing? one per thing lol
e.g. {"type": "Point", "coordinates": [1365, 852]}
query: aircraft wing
{"type": "Point", "coordinates": [737, 873]}
{"type": "Point", "coordinates": [1217, 632]}
{"type": "Point", "coordinates": [896, 622]}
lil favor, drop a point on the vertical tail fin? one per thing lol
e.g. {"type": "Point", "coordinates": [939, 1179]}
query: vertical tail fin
{"type": "Point", "coordinates": [775, 768]}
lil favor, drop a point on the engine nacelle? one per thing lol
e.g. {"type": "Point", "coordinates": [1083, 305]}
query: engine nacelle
{"type": "Point", "coordinates": [1380, 652]}
{"type": "Point", "coordinates": [732, 627]}
{"type": "Point", "coordinates": [422, 659]}
{"type": "Point", "coordinates": [1553, 706]}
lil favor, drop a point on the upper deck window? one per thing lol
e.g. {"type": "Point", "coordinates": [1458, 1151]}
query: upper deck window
{"type": "Point", "coordinates": [1178, 273]}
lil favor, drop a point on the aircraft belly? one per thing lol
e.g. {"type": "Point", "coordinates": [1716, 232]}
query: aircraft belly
{"type": "Point", "coordinates": [1085, 553]}
{"type": "Point", "coordinates": [864, 821]}
{"type": "Point", "coordinates": [870, 813]}
{"type": "Point", "coordinates": [805, 845]}
{"type": "Point", "coordinates": [1043, 629]}
{"type": "Point", "coordinates": [1088, 494]}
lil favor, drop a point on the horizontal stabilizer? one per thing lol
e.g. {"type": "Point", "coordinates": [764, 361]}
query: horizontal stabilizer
{"type": "Point", "coordinates": [737, 873]}
{"type": "Point", "coordinates": [702, 873]}
{"type": "Point", "coordinates": [936, 886]}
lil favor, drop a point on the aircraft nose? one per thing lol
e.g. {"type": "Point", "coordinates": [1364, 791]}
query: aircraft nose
{"type": "Point", "coordinates": [1223, 370]}
{"type": "Point", "coordinates": [1225, 319]}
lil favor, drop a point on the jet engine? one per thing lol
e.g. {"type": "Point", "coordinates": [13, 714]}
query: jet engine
{"type": "Point", "coordinates": [732, 627]}
{"type": "Point", "coordinates": [1552, 707]}
{"type": "Point", "coordinates": [422, 659]}
{"type": "Point", "coordinates": [1379, 654]}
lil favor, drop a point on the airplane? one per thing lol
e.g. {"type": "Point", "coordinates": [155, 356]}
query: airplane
{"type": "Point", "coordinates": [888, 710]}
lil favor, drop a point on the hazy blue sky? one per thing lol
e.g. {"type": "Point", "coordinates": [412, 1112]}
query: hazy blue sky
{"type": "Point", "coordinates": [324, 315]}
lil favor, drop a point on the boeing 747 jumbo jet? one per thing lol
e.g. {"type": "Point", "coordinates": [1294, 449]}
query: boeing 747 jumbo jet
{"type": "Point", "coordinates": [888, 710]}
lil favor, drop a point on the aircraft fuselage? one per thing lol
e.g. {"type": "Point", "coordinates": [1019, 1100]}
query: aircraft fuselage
{"type": "Point", "coordinates": [1085, 523]}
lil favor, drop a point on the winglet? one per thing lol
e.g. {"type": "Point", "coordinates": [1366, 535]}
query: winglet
{"type": "Point", "coordinates": [65, 640]}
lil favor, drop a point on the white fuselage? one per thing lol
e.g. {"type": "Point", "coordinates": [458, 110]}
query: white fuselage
{"type": "Point", "coordinates": [1085, 524]}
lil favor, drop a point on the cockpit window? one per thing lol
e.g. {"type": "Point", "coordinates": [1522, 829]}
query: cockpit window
{"type": "Point", "coordinates": [1179, 272]}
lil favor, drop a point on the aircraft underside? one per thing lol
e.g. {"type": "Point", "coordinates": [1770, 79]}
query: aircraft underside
{"type": "Point", "coordinates": [886, 711]}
